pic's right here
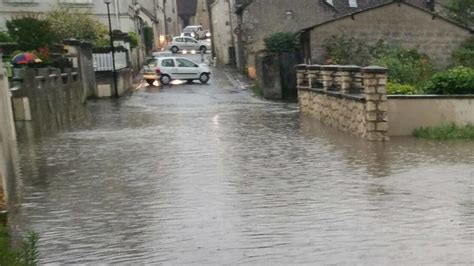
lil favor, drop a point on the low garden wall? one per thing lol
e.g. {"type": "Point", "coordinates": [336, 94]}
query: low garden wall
{"type": "Point", "coordinates": [47, 98]}
{"type": "Point", "coordinates": [355, 100]}
{"type": "Point", "coordinates": [350, 98]}
{"type": "Point", "coordinates": [105, 84]}
{"type": "Point", "coordinates": [410, 112]}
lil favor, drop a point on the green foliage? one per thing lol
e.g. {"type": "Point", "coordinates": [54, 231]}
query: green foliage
{"type": "Point", "coordinates": [133, 39]}
{"type": "Point", "coordinates": [26, 255]}
{"type": "Point", "coordinates": [401, 89]}
{"type": "Point", "coordinates": [149, 38]}
{"type": "Point", "coordinates": [255, 88]}
{"type": "Point", "coordinates": [345, 50]}
{"type": "Point", "coordinates": [30, 32]}
{"type": "Point", "coordinates": [446, 132]}
{"type": "Point", "coordinates": [458, 80]}
{"type": "Point", "coordinates": [461, 11]}
{"type": "Point", "coordinates": [5, 37]}
{"type": "Point", "coordinates": [464, 56]}
{"type": "Point", "coordinates": [406, 66]}
{"type": "Point", "coordinates": [282, 42]}
{"type": "Point", "coordinates": [72, 23]}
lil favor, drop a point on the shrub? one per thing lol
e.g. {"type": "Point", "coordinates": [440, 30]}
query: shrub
{"type": "Point", "coordinates": [30, 32]}
{"type": "Point", "coordinates": [401, 89]}
{"type": "Point", "coordinates": [458, 80]}
{"type": "Point", "coordinates": [133, 39]}
{"type": "Point", "coordinates": [406, 66]}
{"type": "Point", "coordinates": [346, 50]}
{"type": "Point", "coordinates": [5, 37]}
{"type": "Point", "coordinates": [445, 132]}
{"type": "Point", "coordinates": [26, 254]}
{"type": "Point", "coordinates": [281, 42]}
{"type": "Point", "coordinates": [464, 56]}
{"type": "Point", "coordinates": [70, 23]}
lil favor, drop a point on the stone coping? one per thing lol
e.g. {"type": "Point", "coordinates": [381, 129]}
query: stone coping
{"type": "Point", "coordinates": [336, 94]}
{"type": "Point", "coordinates": [432, 97]}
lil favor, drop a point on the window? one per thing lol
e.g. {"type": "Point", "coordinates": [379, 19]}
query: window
{"type": "Point", "coordinates": [76, 2]}
{"type": "Point", "coordinates": [190, 40]}
{"type": "Point", "coordinates": [185, 63]}
{"type": "Point", "coordinates": [167, 63]}
{"type": "Point", "coordinates": [150, 62]}
{"type": "Point", "coordinates": [20, 1]}
{"type": "Point", "coordinates": [179, 40]}
{"type": "Point", "coordinates": [353, 3]}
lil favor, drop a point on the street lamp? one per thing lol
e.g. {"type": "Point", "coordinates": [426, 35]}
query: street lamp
{"type": "Point", "coordinates": [114, 72]}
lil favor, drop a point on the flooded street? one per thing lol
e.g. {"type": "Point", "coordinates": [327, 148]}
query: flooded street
{"type": "Point", "coordinates": [209, 174]}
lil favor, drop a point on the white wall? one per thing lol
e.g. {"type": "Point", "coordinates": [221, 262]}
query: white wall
{"type": "Point", "coordinates": [222, 30]}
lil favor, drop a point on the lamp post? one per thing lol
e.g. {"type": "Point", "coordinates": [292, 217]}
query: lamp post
{"type": "Point", "coordinates": [114, 72]}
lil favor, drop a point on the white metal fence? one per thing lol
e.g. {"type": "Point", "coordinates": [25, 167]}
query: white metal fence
{"type": "Point", "coordinates": [103, 61]}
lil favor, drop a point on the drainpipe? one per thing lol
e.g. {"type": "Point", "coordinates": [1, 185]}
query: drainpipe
{"type": "Point", "coordinates": [211, 28]}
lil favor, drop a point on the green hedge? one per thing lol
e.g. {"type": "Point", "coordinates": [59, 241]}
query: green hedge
{"type": "Point", "coordinates": [281, 42]}
{"type": "Point", "coordinates": [403, 89]}
{"type": "Point", "coordinates": [458, 80]}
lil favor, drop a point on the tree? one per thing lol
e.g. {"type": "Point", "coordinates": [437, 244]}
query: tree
{"type": "Point", "coordinates": [461, 11]}
{"type": "Point", "coordinates": [71, 23]}
{"type": "Point", "coordinates": [30, 32]}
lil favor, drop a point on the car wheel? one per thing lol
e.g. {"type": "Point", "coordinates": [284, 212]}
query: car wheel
{"type": "Point", "coordinates": [174, 50]}
{"type": "Point", "coordinates": [150, 81]}
{"type": "Point", "coordinates": [165, 79]}
{"type": "Point", "coordinates": [203, 49]}
{"type": "Point", "coordinates": [204, 78]}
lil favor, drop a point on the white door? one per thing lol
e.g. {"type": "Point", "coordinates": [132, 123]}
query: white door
{"type": "Point", "coordinates": [191, 44]}
{"type": "Point", "coordinates": [187, 69]}
{"type": "Point", "coordinates": [168, 66]}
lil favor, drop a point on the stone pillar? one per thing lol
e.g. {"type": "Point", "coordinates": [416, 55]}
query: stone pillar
{"type": "Point", "coordinates": [300, 75]}
{"type": "Point", "coordinates": [314, 76]}
{"type": "Point", "coordinates": [346, 74]}
{"type": "Point", "coordinates": [327, 73]}
{"type": "Point", "coordinates": [375, 81]}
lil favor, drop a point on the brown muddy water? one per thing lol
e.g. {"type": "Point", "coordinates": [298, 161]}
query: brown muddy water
{"type": "Point", "coordinates": [207, 174]}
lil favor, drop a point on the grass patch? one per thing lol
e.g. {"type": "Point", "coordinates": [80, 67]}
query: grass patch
{"type": "Point", "coordinates": [256, 90]}
{"type": "Point", "coordinates": [25, 255]}
{"type": "Point", "coordinates": [446, 132]}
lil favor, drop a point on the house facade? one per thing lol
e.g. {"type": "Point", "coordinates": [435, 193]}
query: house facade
{"type": "Point", "coordinates": [396, 23]}
{"type": "Point", "coordinates": [250, 21]}
{"type": "Point", "coordinates": [127, 15]}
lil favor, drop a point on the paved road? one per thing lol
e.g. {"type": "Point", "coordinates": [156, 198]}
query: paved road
{"type": "Point", "coordinates": [209, 174]}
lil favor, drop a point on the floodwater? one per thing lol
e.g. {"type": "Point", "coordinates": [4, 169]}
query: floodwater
{"type": "Point", "coordinates": [208, 174]}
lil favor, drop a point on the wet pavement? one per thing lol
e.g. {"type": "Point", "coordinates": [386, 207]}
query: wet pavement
{"type": "Point", "coordinates": [209, 174]}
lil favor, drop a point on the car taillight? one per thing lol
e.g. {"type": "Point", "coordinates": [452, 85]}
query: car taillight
{"type": "Point", "coordinates": [158, 71]}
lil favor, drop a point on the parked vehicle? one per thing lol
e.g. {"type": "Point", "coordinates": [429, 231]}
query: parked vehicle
{"type": "Point", "coordinates": [167, 69]}
{"type": "Point", "coordinates": [161, 54]}
{"type": "Point", "coordinates": [188, 44]}
{"type": "Point", "coordinates": [194, 31]}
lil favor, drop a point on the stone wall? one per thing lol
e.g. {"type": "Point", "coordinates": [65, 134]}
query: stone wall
{"type": "Point", "coordinates": [349, 98]}
{"type": "Point", "coordinates": [395, 23]}
{"type": "Point", "coordinates": [7, 136]}
{"type": "Point", "coordinates": [264, 17]}
{"type": "Point", "coordinates": [46, 100]}
{"type": "Point", "coordinates": [105, 84]}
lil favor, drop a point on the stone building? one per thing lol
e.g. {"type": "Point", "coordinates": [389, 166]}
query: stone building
{"type": "Point", "coordinates": [395, 23]}
{"type": "Point", "coordinates": [193, 12]}
{"type": "Point", "coordinates": [259, 18]}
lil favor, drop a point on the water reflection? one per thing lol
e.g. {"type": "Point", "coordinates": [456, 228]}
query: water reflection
{"type": "Point", "coordinates": [202, 175]}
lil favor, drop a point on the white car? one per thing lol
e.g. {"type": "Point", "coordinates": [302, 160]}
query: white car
{"type": "Point", "coordinates": [188, 44]}
{"type": "Point", "coordinates": [167, 69]}
{"type": "Point", "coordinates": [194, 31]}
